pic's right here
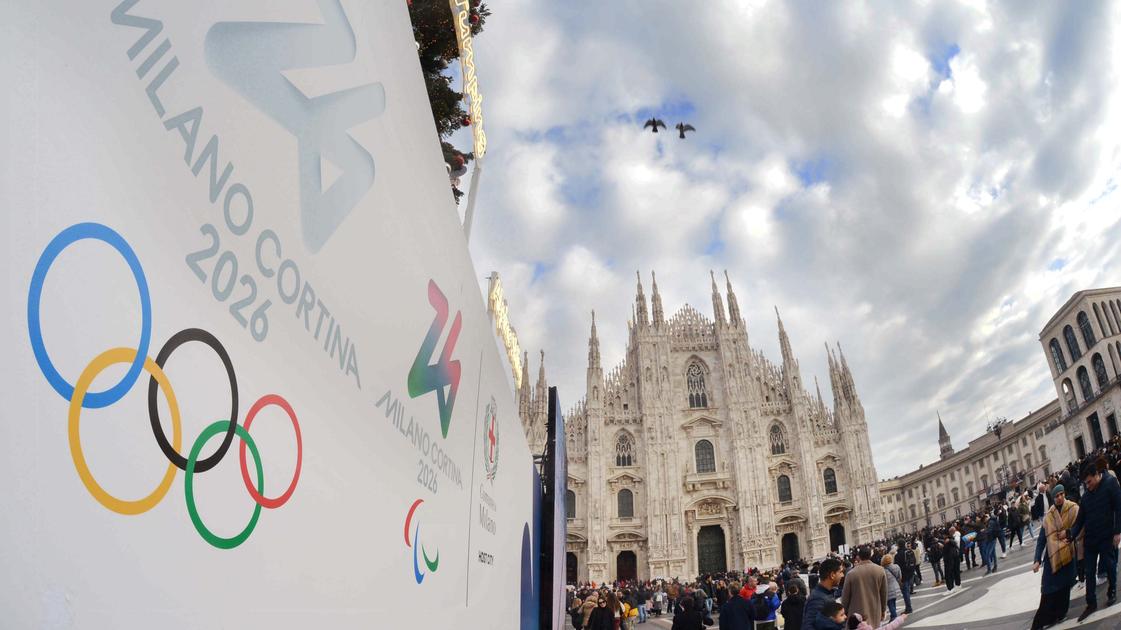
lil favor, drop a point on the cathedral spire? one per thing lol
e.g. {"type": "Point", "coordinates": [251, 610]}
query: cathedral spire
{"type": "Point", "coordinates": [524, 392]}
{"type": "Point", "coordinates": [717, 302]}
{"type": "Point", "coordinates": [656, 302]}
{"type": "Point", "coordinates": [593, 346]}
{"type": "Point", "coordinates": [541, 375]}
{"type": "Point", "coordinates": [733, 305]}
{"type": "Point", "coordinates": [944, 447]}
{"type": "Point", "coordinates": [784, 340]}
{"type": "Point", "coordinates": [642, 318]}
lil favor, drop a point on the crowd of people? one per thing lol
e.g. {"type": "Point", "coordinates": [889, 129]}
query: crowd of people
{"type": "Point", "coordinates": [1073, 517]}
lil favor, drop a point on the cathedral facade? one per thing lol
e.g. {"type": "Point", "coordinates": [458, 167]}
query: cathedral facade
{"type": "Point", "coordinates": [697, 454]}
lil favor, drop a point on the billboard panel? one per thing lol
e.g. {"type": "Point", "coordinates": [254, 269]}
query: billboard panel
{"type": "Point", "coordinates": [250, 374]}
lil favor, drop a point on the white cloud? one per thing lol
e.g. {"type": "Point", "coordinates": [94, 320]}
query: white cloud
{"type": "Point", "coordinates": [937, 201]}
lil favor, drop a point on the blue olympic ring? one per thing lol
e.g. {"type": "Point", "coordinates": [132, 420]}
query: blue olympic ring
{"type": "Point", "coordinates": [72, 234]}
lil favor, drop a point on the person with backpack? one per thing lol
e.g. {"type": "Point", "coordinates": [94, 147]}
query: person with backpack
{"type": "Point", "coordinates": [735, 614]}
{"type": "Point", "coordinates": [907, 562]}
{"type": "Point", "coordinates": [765, 603]}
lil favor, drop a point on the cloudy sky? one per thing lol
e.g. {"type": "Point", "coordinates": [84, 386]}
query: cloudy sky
{"type": "Point", "coordinates": [925, 183]}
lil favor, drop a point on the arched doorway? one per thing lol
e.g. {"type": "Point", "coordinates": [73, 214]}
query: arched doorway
{"type": "Point", "coordinates": [836, 536]}
{"type": "Point", "coordinates": [790, 547]}
{"type": "Point", "coordinates": [626, 566]}
{"type": "Point", "coordinates": [570, 566]}
{"type": "Point", "coordinates": [711, 555]}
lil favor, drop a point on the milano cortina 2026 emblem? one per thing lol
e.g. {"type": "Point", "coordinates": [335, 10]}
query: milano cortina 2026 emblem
{"type": "Point", "coordinates": [79, 397]}
{"type": "Point", "coordinates": [490, 439]}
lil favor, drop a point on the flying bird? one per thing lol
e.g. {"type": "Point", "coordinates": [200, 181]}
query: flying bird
{"type": "Point", "coordinates": [654, 123]}
{"type": "Point", "coordinates": [682, 128]}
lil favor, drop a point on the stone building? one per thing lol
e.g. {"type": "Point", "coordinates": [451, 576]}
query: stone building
{"type": "Point", "coordinates": [698, 454]}
{"type": "Point", "coordinates": [1082, 345]}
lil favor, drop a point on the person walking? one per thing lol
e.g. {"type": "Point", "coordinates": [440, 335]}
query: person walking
{"type": "Point", "coordinates": [735, 614]}
{"type": "Point", "coordinates": [1099, 519]}
{"type": "Point", "coordinates": [1057, 558]}
{"type": "Point", "coordinates": [1025, 513]}
{"type": "Point", "coordinates": [907, 564]}
{"type": "Point", "coordinates": [792, 609]}
{"type": "Point", "coordinates": [690, 617]}
{"type": "Point", "coordinates": [894, 583]}
{"type": "Point", "coordinates": [934, 553]}
{"type": "Point", "coordinates": [865, 588]}
{"type": "Point", "coordinates": [830, 575]}
{"type": "Point", "coordinates": [951, 558]}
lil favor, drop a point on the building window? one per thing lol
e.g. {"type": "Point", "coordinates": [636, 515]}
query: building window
{"type": "Point", "coordinates": [1101, 324]}
{"type": "Point", "coordinates": [1087, 329]}
{"type": "Point", "coordinates": [969, 487]}
{"type": "Point", "coordinates": [626, 503]}
{"type": "Point", "coordinates": [1099, 371]}
{"type": "Point", "coordinates": [1027, 461]}
{"type": "Point", "coordinates": [954, 493]}
{"type": "Point", "coordinates": [624, 450]}
{"type": "Point", "coordinates": [778, 440]}
{"type": "Point", "coordinates": [912, 511]}
{"type": "Point", "coordinates": [830, 481]}
{"type": "Point", "coordinates": [1068, 395]}
{"type": "Point", "coordinates": [1057, 356]}
{"type": "Point", "coordinates": [784, 494]}
{"type": "Point", "coordinates": [941, 501]}
{"type": "Point", "coordinates": [985, 482]}
{"type": "Point", "coordinates": [1072, 343]}
{"type": "Point", "coordinates": [1084, 383]}
{"type": "Point", "coordinates": [910, 493]}
{"type": "Point", "coordinates": [706, 457]}
{"type": "Point", "coordinates": [695, 381]}
{"type": "Point", "coordinates": [569, 504]}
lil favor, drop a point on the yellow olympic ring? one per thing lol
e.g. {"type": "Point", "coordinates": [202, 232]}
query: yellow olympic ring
{"type": "Point", "coordinates": [102, 361]}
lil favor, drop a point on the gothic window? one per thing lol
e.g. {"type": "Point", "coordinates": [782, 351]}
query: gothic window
{"type": "Point", "coordinates": [1084, 383]}
{"type": "Point", "coordinates": [624, 450]}
{"type": "Point", "coordinates": [1086, 328]}
{"type": "Point", "coordinates": [778, 440]}
{"type": "Point", "coordinates": [569, 504]}
{"type": "Point", "coordinates": [784, 494]}
{"type": "Point", "coordinates": [1057, 356]}
{"type": "Point", "coordinates": [1068, 395]}
{"type": "Point", "coordinates": [695, 381]}
{"type": "Point", "coordinates": [1099, 371]}
{"type": "Point", "coordinates": [626, 503]}
{"type": "Point", "coordinates": [1072, 343]}
{"type": "Point", "coordinates": [830, 481]}
{"type": "Point", "coordinates": [706, 457]}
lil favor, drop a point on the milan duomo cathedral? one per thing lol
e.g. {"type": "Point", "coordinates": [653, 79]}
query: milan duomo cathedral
{"type": "Point", "coordinates": [698, 454]}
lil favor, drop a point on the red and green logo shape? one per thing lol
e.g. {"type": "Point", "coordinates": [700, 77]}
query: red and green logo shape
{"type": "Point", "coordinates": [490, 439]}
{"type": "Point", "coordinates": [425, 377]}
{"type": "Point", "coordinates": [418, 549]}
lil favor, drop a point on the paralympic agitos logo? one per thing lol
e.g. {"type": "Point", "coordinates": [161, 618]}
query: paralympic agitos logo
{"type": "Point", "coordinates": [418, 549]}
{"type": "Point", "coordinates": [424, 378]}
{"type": "Point", "coordinates": [80, 397]}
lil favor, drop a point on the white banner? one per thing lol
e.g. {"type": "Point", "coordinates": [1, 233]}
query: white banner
{"type": "Point", "coordinates": [251, 379]}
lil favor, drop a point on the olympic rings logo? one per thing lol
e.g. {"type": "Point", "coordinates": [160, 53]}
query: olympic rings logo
{"type": "Point", "coordinates": [415, 544]}
{"type": "Point", "coordinates": [138, 360]}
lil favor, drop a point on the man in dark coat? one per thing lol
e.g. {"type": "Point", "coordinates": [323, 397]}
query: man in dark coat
{"type": "Point", "coordinates": [830, 575]}
{"type": "Point", "coordinates": [1099, 518]}
{"type": "Point", "coordinates": [735, 614]}
{"type": "Point", "coordinates": [951, 559]}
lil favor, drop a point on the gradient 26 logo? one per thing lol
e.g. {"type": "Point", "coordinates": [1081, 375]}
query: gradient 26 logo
{"type": "Point", "coordinates": [425, 377]}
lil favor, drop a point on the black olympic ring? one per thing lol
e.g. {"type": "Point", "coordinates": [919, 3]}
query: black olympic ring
{"type": "Point", "coordinates": [178, 339]}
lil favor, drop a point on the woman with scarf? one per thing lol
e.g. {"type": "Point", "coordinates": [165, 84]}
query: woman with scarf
{"type": "Point", "coordinates": [1057, 559]}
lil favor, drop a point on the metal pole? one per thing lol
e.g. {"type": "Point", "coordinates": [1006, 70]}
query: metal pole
{"type": "Point", "coordinates": [469, 214]}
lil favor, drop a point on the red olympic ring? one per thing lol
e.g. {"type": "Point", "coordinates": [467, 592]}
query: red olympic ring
{"type": "Point", "coordinates": [263, 501]}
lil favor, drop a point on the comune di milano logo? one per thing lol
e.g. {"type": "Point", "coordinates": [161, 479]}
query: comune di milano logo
{"type": "Point", "coordinates": [251, 57]}
{"type": "Point", "coordinates": [79, 397]}
{"type": "Point", "coordinates": [490, 439]}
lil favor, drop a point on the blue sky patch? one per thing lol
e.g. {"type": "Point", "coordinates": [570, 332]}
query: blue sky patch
{"type": "Point", "coordinates": [941, 60]}
{"type": "Point", "coordinates": [1057, 264]}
